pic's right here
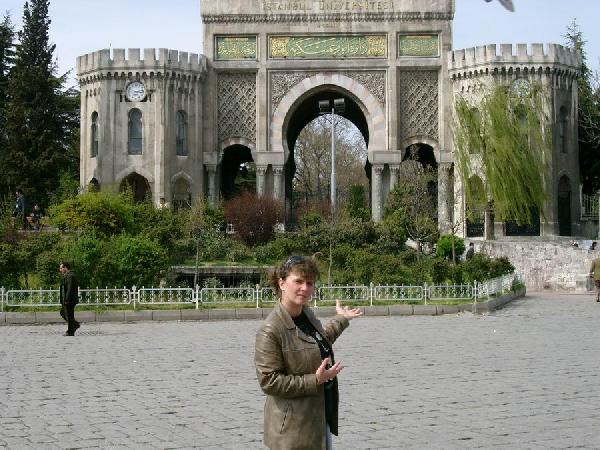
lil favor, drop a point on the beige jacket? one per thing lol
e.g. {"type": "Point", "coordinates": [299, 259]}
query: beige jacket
{"type": "Point", "coordinates": [286, 360]}
{"type": "Point", "coordinates": [595, 269]}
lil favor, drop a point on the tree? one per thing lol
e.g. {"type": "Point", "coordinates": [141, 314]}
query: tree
{"type": "Point", "coordinates": [589, 115]}
{"type": "Point", "coordinates": [254, 217]}
{"type": "Point", "coordinates": [42, 119]}
{"type": "Point", "coordinates": [507, 132]}
{"type": "Point", "coordinates": [6, 60]}
{"type": "Point", "coordinates": [412, 203]}
{"type": "Point", "coordinates": [313, 158]}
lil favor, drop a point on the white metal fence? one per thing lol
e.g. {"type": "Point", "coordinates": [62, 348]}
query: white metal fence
{"type": "Point", "coordinates": [589, 206]}
{"type": "Point", "coordinates": [259, 296]}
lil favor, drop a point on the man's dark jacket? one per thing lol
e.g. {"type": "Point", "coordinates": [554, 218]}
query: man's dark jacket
{"type": "Point", "coordinates": [69, 289]}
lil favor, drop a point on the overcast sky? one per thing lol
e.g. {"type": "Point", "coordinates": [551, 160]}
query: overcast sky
{"type": "Point", "coordinates": [83, 26]}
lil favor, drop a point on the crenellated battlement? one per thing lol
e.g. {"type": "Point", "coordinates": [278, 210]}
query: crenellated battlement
{"type": "Point", "coordinates": [153, 59]}
{"type": "Point", "coordinates": [509, 54]}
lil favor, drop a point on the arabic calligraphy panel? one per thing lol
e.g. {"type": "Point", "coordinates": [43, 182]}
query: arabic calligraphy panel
{"type": "Point", "coordinates": [235, 47]}
{"type": "Point", "coordinates": [328, 46]}
{"type": "Point", "coordinates": [421, 45]}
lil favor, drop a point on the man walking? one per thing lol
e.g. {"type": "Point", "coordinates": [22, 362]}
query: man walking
{"type": "Point", "coordinates": [595, 274]}
{"type": "Point", "coordinates": [69, 297]}
{"type": "Point", "coordinates": [20, 209]}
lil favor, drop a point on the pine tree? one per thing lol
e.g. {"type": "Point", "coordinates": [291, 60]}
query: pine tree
{"type": "Point", "coordinates": [40, 114]}
{"type": "Point", "coordinates": [589, 115]}
{"type": "Point", "coordinates": [6, 58]}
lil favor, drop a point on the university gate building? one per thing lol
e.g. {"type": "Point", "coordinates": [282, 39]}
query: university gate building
{"type": "Point", "coordinates": [176, 125]}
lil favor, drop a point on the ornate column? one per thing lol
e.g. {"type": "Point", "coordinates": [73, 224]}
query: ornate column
{"type": "Point", "coordinates": [445, 197]}
{"type": "Point", "coordinates": [377, 207]}
{"type": "Point", "coordinates": [212, 184]}
{"type": "Point", "coordinates": [394, 176]}
{"type": "Point", "coordinates": [261, 171]}
{"type": "Point", "coordinates": [278, 182]}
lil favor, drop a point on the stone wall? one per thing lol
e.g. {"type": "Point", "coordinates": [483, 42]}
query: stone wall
{"type": "Point", "coordinates": [553, 265]}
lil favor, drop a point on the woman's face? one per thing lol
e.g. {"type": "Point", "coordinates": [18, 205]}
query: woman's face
{"type": "Point", "coordinates": [295, 289]}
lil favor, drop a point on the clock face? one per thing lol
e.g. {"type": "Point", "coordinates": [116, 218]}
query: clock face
{"type": "Point", "coordinates": [135, 91]}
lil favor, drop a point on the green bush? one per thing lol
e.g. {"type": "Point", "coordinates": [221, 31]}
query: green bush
{"type": "Point", "coordinates": [103, 212]}
{"type": "Point", "coordinates": [134, 260]}
{"type": "Point", "coordinates": [500, 266]}
{"type": "Point", "coordinates": [392, 233]}
{"type": "Point", "coordinates": [444, 246]}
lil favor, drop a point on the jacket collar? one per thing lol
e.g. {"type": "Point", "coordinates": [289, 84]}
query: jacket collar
{"type": "Point", "coordinates": [289, 322]}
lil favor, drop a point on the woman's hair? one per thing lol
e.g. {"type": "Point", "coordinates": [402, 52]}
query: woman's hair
{"type": "Point", "coordinates": [301, 265]}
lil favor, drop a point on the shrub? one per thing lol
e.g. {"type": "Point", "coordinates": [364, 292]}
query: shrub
{"type": "Point", "coordinates": [254, 217]}
{"type": "Point", "coordinates": [134, 260]}
{"type": "Point", "coordinates": [444, 246]}
{"type": "Point", "coordinates": [476, 269]}
{"type": "Point", "coordinates": [500, 266]}
{"type": "Point", "coordinates": [392, 234]}
{"type": "Point", "coordinates": [103, 212]}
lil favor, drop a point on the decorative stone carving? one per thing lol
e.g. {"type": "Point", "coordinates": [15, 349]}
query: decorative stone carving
{"type": "Point", "coordinates": [408, 16]}
{"type": "Point", "coordinates": [418, 92]}
{"type": "Point", "coordinates": [237, 105]}
{"type": "Point", "coordinates": [282, 82]}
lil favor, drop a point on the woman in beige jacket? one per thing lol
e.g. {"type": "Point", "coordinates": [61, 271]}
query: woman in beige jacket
{"type": "Point", "coordinates": [295, 365]}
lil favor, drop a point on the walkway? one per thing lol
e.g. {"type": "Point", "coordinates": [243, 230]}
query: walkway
{"type": "Point", "coordinates": [523, 377]}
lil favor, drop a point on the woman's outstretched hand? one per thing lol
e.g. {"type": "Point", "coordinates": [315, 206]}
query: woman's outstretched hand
{"type": "Point", "coordinates": [348, 313]}
{"type": "Point", "coordinates": [323, 374]}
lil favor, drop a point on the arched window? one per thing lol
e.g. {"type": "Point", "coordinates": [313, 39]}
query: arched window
{"type": "Point", "coordinates": [94, 135]}
{"type": "Point", "coordinates": [181, 137]}
{"type": "Point", "coordinates": [134, 143]}
{"type": "Point", "coordinates": [562, 129]}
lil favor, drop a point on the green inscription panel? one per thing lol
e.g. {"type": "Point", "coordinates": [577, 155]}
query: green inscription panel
{"type": "Point", "coordinates": [339, 46]}
{"type": "Point", "coordinates": [418, 45]}
{"type": "Point", "coordinates": [235, 47]}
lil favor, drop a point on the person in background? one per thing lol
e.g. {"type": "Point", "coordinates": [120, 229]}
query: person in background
{"type": "Point", "coordinates": [36, 217]}
{"type": "Point", "coordinates": [20, 208]}
{"type": "Point", "coordinates": [69, 297]}
{"type": "Point", "coordinates": [595, 275]}
{"type": "Point", "coordinates": [294, 361]}
{"type": "Point", "coordinates": [470, 251]}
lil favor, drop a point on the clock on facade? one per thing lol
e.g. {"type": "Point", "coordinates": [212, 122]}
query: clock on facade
{"type": "Point", "coordinates": [135, 91]}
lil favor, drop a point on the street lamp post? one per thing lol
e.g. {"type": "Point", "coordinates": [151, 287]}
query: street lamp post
{"type": "Point", "coordinates": [326, 107]}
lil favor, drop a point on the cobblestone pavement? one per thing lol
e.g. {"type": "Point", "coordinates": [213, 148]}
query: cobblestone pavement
{"type": "Point", "coordinates": [522, 377]}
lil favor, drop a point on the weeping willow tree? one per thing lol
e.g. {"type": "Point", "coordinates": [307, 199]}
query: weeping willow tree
{"type": "Point", "coordinates": [507, 133]}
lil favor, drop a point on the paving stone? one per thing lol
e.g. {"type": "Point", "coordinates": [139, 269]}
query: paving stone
{"type": "Point", "coordinates": [401, 310]}
{"type": "Point", "coordinates": [48, 317]}
{"type": "Point", "coordinates": [425, 310]}
{"type": "Point", "coordinates": [524, 376]}
{"type": "Point", "coordinates": [136, 316]}
{"type": "Point", "coordinates": [221, 314]}
{"type": "Point", "coordinates": [166, 315]}
{"type": "Point", "coordinates": [20, 317]}
{"type": "Point", "coordinates": [110, 316]}
{"type": "Point", "coordinates": [194, 314]}
{"type": "Point", "coordinates": [249, 313]}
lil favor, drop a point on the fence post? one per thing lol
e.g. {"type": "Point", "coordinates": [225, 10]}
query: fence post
{"type": "Point", "coordinates": [371, 294]}
{"type": "Point", "coordinates": [134, 295]}
{"type": "Point", "coordinates": [475, 296]}
{"type": "Point", "coordinates": [196, 296]}
{"type": "Point", "coordinates": [2, 299]}
{"type": "Point", "coordinates": [257, 295]}
{"type": "Point", "coordinates": [425, 294]}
